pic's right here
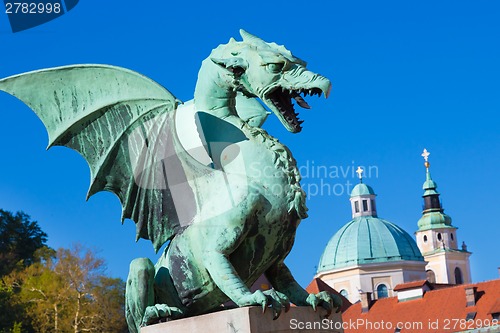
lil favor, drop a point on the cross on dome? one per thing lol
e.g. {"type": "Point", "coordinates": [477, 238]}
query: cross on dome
{"type": "Point", "coordinates": [425, 155]}
{"type": "Point", "coordinates": [359, 171]}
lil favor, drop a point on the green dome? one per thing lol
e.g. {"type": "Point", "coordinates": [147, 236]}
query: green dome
{"type": "Point", "coordinates": [361, 189]}
{"type": "Point", "coordinates": [429, 184]}
{"type": "Point", "coordinates": [366, 240]}
{"type": "Point", "coordinates": [432, 220]}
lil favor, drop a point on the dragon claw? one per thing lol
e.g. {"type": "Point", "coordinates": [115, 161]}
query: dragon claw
{"type": "Point", "coordinates": [269, 298]}
{"type": "Point", "coordinates": [312, 300]}
{"type": "Point", "coordinates": [278, 302]}
{"type": "Point", "coordinates": [158, 312]}
{"type": "Point", "coordinates": [257, 298]}
{"type": "Point", "coordinates": [325, 300]}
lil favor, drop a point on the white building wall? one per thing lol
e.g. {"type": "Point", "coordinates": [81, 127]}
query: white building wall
{"type": "Point", "coordinates": [366, 278]}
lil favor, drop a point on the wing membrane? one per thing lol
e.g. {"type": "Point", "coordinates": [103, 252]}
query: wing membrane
{"type": "Point", "coordinates": [122, 124]}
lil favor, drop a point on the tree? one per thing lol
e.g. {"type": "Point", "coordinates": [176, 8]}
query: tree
{"type": "Point", "coordinates": [70, 293]}
{"type": "Point", "coordinates": [109, 295]}
{"type": "Point", "coordinates": [21, 242]}
{"type": "Point", "coordinates": [19, 239]}
{"type": "Point", "coordinates": [9, 311]}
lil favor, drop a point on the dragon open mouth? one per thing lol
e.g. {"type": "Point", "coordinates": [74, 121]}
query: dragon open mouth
{"type": "Point", "coordinates": [281, 99]}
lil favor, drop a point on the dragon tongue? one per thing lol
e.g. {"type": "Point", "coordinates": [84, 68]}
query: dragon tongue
{"type": "Point", "coordinates": [301, 102]}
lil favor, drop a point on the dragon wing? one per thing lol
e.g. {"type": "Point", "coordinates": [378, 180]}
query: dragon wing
{"type": "Point", "coordinates": [122, 123]}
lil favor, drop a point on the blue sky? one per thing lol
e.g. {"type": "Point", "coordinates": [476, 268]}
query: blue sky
{"type": "Point", "coordinates": [406, 75]}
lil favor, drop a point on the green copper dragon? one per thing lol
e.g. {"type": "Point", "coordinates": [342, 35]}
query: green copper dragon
{"type": "Point", "coordinates": [201, 176]}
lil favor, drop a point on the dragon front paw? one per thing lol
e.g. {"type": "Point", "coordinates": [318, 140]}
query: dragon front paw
{"type": "Point", "coordinates": [325, 300]}
{"type": "Point", "coordinates": [154, 314]}
{"type": "Point", "coordinates": [257, 298]}
{"type": "Point", "coordinates": [278, 302]}
{"type": "Point", "coordinates": [269, 298]}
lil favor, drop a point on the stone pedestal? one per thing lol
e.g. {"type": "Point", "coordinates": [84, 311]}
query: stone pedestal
{"type": "Point", "coordinates": [251, 320]}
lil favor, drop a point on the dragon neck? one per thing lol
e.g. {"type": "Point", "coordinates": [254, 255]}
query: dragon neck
{"type": "Point", "coordinates": [214, 92]}
{"type": "Point", "coordinates": [216, 95]}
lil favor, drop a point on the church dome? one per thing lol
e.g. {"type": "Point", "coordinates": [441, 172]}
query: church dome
{"type": "Point", "coordinates": [362, 189]}
{"type": "Point", "coordinates": [366, 240]}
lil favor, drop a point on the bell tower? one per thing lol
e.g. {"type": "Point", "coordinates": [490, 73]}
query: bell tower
{"type": "Point", "coordinates": [437, 238]}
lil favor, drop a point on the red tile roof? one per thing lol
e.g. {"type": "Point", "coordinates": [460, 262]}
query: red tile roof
{"type": "Point", "coordinates": [411, 285]}
{"type": "Point", "coordinates": [318, 285]}
{"type": "Point", "coordinates": [440, 310]}
{"type": "Point", "coordinates": [496, 307]}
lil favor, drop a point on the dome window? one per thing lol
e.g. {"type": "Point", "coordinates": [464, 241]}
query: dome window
{"type": "Point", "coordinates": [373, 205]}
{"type": "Point", "coordinates": [439, 236]}
{"type": "Point", "coordinates": [452, 238]}
{"type": "Point", "coordinates": [425, 238]}
{"type": "Point", "coordinates": [356, 206]}
{"type": "Point", "coordinates": [365, 205]}
{"type": "Point", "coordinates": [382, 291]}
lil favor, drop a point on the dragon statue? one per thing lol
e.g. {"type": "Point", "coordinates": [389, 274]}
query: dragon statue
{"type": "Point", "coordinates": [201, 176]}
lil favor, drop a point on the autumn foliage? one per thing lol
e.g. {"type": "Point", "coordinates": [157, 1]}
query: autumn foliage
{"type": "Point", "coordinates": [54, 291]}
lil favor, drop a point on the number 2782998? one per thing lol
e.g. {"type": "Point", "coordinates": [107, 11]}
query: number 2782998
{"type": "Point", "coordinates": [32, 8]}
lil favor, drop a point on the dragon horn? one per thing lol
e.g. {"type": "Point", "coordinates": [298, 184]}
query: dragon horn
{"type": "Point", "coordinates": [247, 37]}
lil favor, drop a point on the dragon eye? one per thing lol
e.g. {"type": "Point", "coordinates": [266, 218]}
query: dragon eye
{"type": "Point", "coordinates": [275, 67]}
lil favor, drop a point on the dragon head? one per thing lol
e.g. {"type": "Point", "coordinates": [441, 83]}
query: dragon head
{"type": "Point", "coordinates": [271, 73]}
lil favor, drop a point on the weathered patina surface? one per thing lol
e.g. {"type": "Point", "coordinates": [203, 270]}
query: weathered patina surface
{"type": "Point", "coordinates": [201, 176]}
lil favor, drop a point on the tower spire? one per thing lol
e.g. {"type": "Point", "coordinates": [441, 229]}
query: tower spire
{"type": "Point", "coordinates": [431, 195]}
{"type": "Point", "coordinates": [437, 238]}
